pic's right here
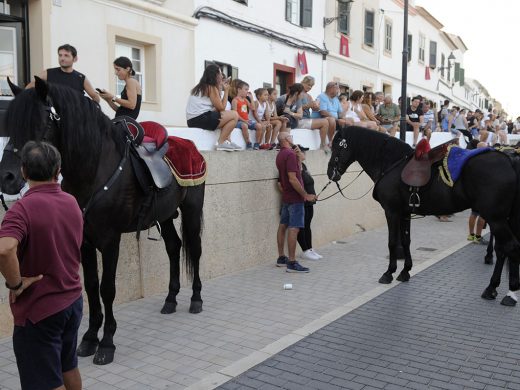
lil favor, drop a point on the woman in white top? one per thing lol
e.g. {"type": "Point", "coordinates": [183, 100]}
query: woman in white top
{"type": "Point", "coordinates": [354, 111]}
{"type": "Point", "coordinates": [206, 108]}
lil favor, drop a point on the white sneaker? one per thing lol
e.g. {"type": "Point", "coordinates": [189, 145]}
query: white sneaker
{"type": "Point", "coordinates": [316, 253]}
{"type": "Point", "coordinates": [226, 146]}
{"type": "Point", "coordinates": [235, 146]}
{"type": "Point", "coordinates": [309, 255]}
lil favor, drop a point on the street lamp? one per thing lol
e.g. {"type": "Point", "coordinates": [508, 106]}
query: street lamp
{"type": "Point", "coordinates": [451, 57]}
{"type": "Point", "coordinates": [347, 3]}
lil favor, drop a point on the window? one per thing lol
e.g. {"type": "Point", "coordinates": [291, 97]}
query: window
{"type": "Point", "coordinates": [422, 45]}
{"type": "Point", "coordinates": [433, 54]}
{"type": "Point", "coordinates": [343, 18]}
{"type": "Point", "coordinates": [369, 28]}
{"type": "Point", "coordinates": [443, 61]}
{"type": "Point", "coordinates": [388, 36]}
{"type": "Point", "coordinates": [299, 12]}
{"type": "Point", "coordinates": [227, 69]}
{"type": "Point", "coordinates": [8, 58]}
{"type": "Point", "coordinates": [409, 47]}
{"type": "Point", "coordinates": [136, 55]}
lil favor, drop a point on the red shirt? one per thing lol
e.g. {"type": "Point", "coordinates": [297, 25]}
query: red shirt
{"type": "Point", "coordinates": [48, 225]}
{"type": "Point", "coordinates": [287, 161]}
{"type": "Point", "coordinates": [242, 109]}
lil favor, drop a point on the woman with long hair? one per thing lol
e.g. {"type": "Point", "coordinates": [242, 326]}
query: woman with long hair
{"type": "Point", "coordinates": [293, 110]}
{"type": "Point", "coordinates": [354, 111]}
{"type": "Point", "coordinates": [206, 108]}
{"type": "Point", "coordinates": [368, 109]}
{"type": "Point", "coordinates": [129, 103]}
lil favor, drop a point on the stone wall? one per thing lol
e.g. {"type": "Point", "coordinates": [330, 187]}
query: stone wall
{"type": "Point", "coordinates": [240, 223]}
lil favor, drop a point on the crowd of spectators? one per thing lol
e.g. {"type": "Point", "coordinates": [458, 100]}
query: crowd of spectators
{"type": "Point", "coordinates": [230, 104]}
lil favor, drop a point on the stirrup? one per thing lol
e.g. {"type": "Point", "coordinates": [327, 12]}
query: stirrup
{"type": "Point", "coordinates": [158, 226]}
{"type": "Point", "coordinates": [415, 200]}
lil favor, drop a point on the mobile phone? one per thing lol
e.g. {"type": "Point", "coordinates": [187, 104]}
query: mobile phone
{"type": "Point", "coordinates": [99, 90]}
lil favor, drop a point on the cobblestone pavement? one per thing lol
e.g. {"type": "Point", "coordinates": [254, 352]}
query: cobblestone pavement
{"type": "Point", "coordinates": [433, 333]}
{"type": "Point", "coordinates": [248, 317]}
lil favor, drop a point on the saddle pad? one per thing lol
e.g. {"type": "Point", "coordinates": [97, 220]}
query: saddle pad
{"type": "Point", "coordinates": [185, 161]}
{"type": "Point", "coordinates": [455, 160]}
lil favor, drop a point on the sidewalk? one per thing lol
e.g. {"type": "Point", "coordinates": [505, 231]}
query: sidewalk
{"type": "Point", "coordinates": [248, 316]}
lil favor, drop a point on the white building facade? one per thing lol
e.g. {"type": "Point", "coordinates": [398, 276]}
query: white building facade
{"type": "Point", "coordinates": [171, 41]}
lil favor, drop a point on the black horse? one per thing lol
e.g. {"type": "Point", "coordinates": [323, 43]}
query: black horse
{"type": "Point", "coordinates": [92, 151]}
{"type": "Point", "coordinates": [488, 183]}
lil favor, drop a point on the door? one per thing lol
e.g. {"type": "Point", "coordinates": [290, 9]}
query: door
{"type": "Point", "coordinates": [283, 77]}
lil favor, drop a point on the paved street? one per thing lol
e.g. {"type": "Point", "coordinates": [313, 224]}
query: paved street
{"type": "Point", "coordinates": [430, 329]}
{"type": "Point", "coordinates": [434, 333]}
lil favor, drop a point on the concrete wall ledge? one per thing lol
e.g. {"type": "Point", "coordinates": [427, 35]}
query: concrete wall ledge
{"type": "Point", "coordinates": [206, 139]}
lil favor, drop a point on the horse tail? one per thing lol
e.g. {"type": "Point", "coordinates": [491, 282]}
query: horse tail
{"type": "Point", "coordinates": [192, 224]}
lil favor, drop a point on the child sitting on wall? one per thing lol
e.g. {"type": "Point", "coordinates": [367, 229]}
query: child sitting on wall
{"type": "Point", "coordinates": [243, 106]}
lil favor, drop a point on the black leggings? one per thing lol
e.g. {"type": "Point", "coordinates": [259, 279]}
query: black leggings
{"type": "Point", "coordinates": [305, 234]}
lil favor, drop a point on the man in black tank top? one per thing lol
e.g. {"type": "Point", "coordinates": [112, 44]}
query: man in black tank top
{"type": "Point", "coordinates": [66, 75]}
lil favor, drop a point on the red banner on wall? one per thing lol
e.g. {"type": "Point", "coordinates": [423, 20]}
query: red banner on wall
{"type": "Point", "coordinates": [427, 73]}
{"type": "Point", "coordinates": [302, 63]}
{"type": "Point", "coordinates": [343, 46]}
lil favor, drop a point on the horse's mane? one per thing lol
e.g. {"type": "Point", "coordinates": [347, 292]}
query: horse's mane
{"type": "Point", "coordinates": [83, 126]}
{"type": "Point", "coordinates": [375, 146]}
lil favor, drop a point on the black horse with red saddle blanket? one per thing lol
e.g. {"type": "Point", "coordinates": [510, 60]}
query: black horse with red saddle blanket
{"type": "Point", "coordinates": [115, 189]}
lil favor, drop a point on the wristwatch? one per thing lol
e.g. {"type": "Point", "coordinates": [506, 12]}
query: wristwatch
{"type": "Point", "coordinates": [113, 99]}
{"type": "Point", "coordinates": [14, 288]}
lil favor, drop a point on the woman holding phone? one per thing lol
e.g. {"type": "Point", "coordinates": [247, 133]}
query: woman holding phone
{"type": "Point", "coordinates": [129, 103]}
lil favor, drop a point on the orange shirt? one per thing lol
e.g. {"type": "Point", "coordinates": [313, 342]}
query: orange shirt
{"type": "Point", "coordinates": [242, 109]}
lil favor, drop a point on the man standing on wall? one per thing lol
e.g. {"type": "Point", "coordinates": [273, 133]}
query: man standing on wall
{"type": "Point", "coordinates": [66, 75]}
{"type": "Point", "coordinates": [40, 240]}
{"type": "Point", "coordinates": [293, 198]}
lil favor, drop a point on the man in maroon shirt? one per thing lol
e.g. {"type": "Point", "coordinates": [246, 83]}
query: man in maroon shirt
{"type": "Point", "coordinates": [40, 240]}
{"type": "Point", "coordinates": [293, 198]}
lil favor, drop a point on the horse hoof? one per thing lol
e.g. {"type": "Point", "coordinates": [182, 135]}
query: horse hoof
{"type": "Point", "coordinates": [104, 355]}
{"type": "Point", "coordinates": [196, 307]}
{"type": "Point", "coordinates": [386, 279]}
{"type": "Point", "coordinates": [489, 294]}
{"type": "Point", "coordinates": [403, 277]}
{"type": "Point", "coordinates": [169, 308]}
{"type": "Point", "coordinates": [87, 348]}
{"type": "Point", "coordinates": [508, 301]}
{"type": "Point", "coordinates": [488, 260]}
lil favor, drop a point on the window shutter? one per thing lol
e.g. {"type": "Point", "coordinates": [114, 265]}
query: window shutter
{"type": "Point", "coordinates": [433, 54]}
{"type": "Point", "coordinates": [409, 47]}
{"type": "Point", "coordinates": [461, 77]}
{"type": "Point", "coordinates": [288, 10]}
{"type": "Point", "coordinates": [306, 13]}
{"type": "Point", "coordinates": [457, 71]}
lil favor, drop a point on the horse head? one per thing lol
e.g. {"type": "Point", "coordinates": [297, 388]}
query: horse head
{"type": "Point", "coordinates": [31, 116]}
{"type": "Point", "coordinates": [342, 156]}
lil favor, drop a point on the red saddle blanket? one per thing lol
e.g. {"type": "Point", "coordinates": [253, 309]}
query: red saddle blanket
{"type": "Point", "coordinates": [187, 164]}
{"type": "Point", "coordinates": [185, 161]}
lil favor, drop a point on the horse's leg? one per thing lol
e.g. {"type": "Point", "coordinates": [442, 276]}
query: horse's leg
{"type": "Point", "coordinates": [514, 284]}
{"type": "Point", "coordinates": [191, 210]}
{"type": "Point", "coordinates": [404, 276]}
{"type": "Point", "coordinates": [173, 248]}
{"type": "Point", "coordinates": [392, 221]}
{"type": "Point", "coordinates": [488, 259]}
{"type": "Point", "coordinates": [90, 341]}
{"type": "Point", "coordinates": [491, 290]}
{"type": "Point", "coordinates": [110, 255]}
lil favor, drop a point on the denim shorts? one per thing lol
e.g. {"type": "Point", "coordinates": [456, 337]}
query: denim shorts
{"type": "Point", "coordinates": [251, 125]}
{"type": "Point", "coordinates": [47, 349]}
{"type": "Point", "coordinates": [292, 215]}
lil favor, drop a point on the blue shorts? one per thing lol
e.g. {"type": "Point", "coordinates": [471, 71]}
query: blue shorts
{"type": "Point", "coordinates": [292, 215]}
{"type": "Point", "coordinates": [48, 348]}
{"type": "Point", "coordinates": [251, 125]}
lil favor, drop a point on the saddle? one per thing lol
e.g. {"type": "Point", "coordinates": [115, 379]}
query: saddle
{"type": "Point", "coordinates": [417, 171]}
{"type": "Point", "coordinates": [149, 140]}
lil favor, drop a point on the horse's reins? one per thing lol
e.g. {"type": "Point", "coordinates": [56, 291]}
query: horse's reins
{"type": "Point", "coordinates": [340, 190]}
